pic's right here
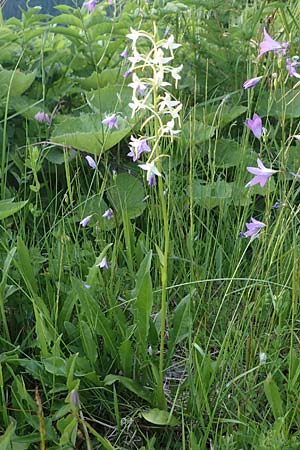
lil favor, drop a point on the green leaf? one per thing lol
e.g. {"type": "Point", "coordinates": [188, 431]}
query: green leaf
{"type": "Point", "coordinates": [8, 207]}
{"type": "Point", "coordinates": [280, 104]}
{"type": "Point", "coordinates": [88, 342]}
{"type": "Point", "coordinates": [25, 266]}
{"type": "Point", "coordinates": [159, 417]}
{"type": "Point", "coordinates": [86, 133]}
{"type": "Point", "coordinates": [55, 365]}
{"type": "Point", "coordinates": [5, 439]}
{"type": "Point", "coordinates": [126, 196]}
{"type": "Point", "coordinates": [18, 81]}
{"type": "Point", "coordinates": [228, 153]}
{"type": "Point", "coordinates": [56, 155]}
{"type": "Point", "coordinates": [197, 134]}
{"type": "Point", "coordinates": [181, 323]}
{"type": "Point", "coordinates": [219, 116]}
{"type": "Point", "coordinates": [273, 396]}
{"type": "Point", "coordinates": [126, 357]}
{"type": "Point", "coordinates": [108, 99]}
{"type": "Point", "coordinates": [67, 19]}
{"type": "Point", "coordinates": [68, 427]}
{"type": "Point", "coordinates": [106, 77]}
{"type": "Point", "coordinates": [69, 32]}
{"type": "Point", "coordinates": [131, 385]}
{"type": "Point", "coordinates": [218, 193]}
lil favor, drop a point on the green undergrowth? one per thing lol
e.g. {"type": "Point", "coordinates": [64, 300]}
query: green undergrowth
{"type": "Point", "coordinates": [80, 362]}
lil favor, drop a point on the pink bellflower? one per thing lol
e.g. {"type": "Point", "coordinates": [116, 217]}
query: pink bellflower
{"type": "Point", "coordinates": [269, 45]}
{"type": "Point", "coordinates": [91, 4]}
{"type": "Point", "coordinates": [291, 65]}
{"type": "Point", "coordinates": [103, 264]}
{"type": "Point", "coordinates": [137, 147]}
{"type": "Point", "coordinates": [253, 229]}
{"type": "Point", "coordinates": [251, 82]}
{"type": "Point", "coordinates": [262, 174]}
{"type": "Point", "coordinates": [42, 117]}
{"type": "Point", "coordinates": [91, 162]}
{"type": "Point", "coordinates": [84, 222]}
{"type": "Point", "coordinates": [108, 214]}
{"type": "Point", "coordinates": [255, 125]}
{"type": "Point", "coordinates": [111, 121]}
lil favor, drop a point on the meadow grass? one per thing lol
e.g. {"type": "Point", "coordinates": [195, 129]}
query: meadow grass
{"type": "Point", "coordinates": [190, 339]}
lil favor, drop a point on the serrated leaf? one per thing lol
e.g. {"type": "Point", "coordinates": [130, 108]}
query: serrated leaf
{"type": "Point", "coordinates": [17, 81]}
{"type": "Point", "coordinates": [159, 417]}
{"type": "Point", "coordinates": [67, 19]}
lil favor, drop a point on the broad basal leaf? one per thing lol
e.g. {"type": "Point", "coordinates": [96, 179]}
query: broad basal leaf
{"type": "Point", "coordinates": [126, 196]}
{"type": "Point", "coordinates": [86, 132]}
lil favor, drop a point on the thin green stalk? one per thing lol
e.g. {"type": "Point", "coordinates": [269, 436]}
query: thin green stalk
{"type": "Point", "coordinates": [164, 264]}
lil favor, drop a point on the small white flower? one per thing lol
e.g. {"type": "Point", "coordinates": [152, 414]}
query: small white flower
{"type": "Point", "coordinates": [160, 59]}
{"type": "Point", "coordinates": [169, 128]}
{"type": "Point", "coordinates": [170, 44]}
{"type": "Point", "coordinates": [168, 106]}
{"type": "Point", "coordinates": [133, 35]}
{"type": "Point", "coordinates": [152, 171]}
{"type": "Point", "coordinates": [135, 58]}
{"type": "Point", "coordinates": [262, 358]}
{"type": "Point", "coordinates": [138, 85]}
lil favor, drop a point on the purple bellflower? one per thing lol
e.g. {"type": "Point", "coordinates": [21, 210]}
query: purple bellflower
{"type": "Point", "coordinates": [253, 229]}
{"type": "Point", "coordinates": [91, 4]}
{"type": "Point", "coordinates": [295, 175]}
{"type": "Point", "coordinates": [84, 222]}
{"type": "Point", "coordinates": [103, 264]}
{"type": "Point", "coordinates": [127, 73]}
{"type": "Point", "coordinates": [291, 65]}
{"type": "Point", "coordinates": [261, 174]}
{"type": "Point", "coordinates": [276, 205]}
{"type": "Point", "coordinates": [255, 125]}
{"type": "Point", "coordinates": [108, 214]}
{"type": "Point", "coordinates": [42, 117]}
{"type": "Point", "coordinates": [137, 147]}
{"type": "Point", "coordinates": [74, 398]}
{"type": "Point", "coordinates": [91, 162]}
{"type": "Point", "coordinates": [269, 45]}
{"type": "Point", "coordinates": [124, 53]}
{"type": "Point", "coordinates": [251, 82]}
{"type": "Point", "coordinates": [111, 121]}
